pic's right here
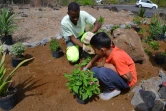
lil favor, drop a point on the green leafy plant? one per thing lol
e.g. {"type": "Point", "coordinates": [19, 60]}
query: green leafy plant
{"type": "Point", "coordinates": [141, 31]}
{"type": "Point", "coordinates": [7, 24]}
{"type": "Point", "coordinates": [84, 62]}
{"type": "Point", "coordinates": [156, 28]}
{"type": "Point", "coordinates": [148, 51]}
{"type": "Point", "coordinates": [5, 79]}
{"type": "Point", "coordinates": [18, 49]}
{"type": "Point", "coordinates": [137, 20]}
{"type": "Point", "coordinates": [127, 26]}
{"type": "Point", "coordinates": [141, 12]}
{"type": "Point", "coordinates": [115, 27]}
{"type": "Point", "coordinates": [82, 83]}
{"type": "Point", "coordinates": [100, 19]}
{"type": "Point", "coordinates": [54, 45]}
{"type": "Point", "coordinates": [154, 45]}
{"type": "Point", "coordinates": [86, 2]}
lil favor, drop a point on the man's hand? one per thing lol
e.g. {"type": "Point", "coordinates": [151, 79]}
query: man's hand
{"type": "Point", "coordinates": [88, 49]}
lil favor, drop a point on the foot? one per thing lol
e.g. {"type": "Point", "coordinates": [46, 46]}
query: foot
{"type": "Point", "coordinates": [108, 95]}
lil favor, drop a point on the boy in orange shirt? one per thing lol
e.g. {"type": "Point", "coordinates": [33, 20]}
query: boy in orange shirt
{"type": "Point", "coordinates": [119, 71]}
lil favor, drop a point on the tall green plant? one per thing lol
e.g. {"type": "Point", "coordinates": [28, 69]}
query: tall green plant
{"type": "Point", "coordinates": [4, 78]}
{"type": "Point", "coordinates": [7, 24]}
{"type": "Point", "coordinates": [100, 19]}
{"type": "Point", "coordinates": [141, 12]}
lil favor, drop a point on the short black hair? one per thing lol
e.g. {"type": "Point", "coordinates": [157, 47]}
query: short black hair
{"type": "Point", "coordinates": [73, 6]}
{"type": "Point", "coordinates": [101, 40]}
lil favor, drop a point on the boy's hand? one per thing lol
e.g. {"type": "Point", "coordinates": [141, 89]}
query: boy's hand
{"type": "Point", "coordinates": [84, 68]}
{"type": "Point", "coordinates": [88, 49]}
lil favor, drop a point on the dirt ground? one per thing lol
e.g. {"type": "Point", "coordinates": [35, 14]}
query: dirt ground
{"type": "Point", "coordinates": [41, 83]}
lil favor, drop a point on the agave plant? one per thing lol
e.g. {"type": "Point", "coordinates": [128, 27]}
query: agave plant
{"type": "Point", "coordinates": [7, 24]}
{"type": "Point", "coordinates": [5, 79]}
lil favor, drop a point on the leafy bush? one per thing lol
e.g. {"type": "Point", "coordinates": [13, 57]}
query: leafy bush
{"type": "Point", "coordinates": [84, 62]}
{"type": "Point", "coordinates": [85, 2]}
{"type": "Point", "coordinates": [82, 83]}
{"type": "Point", "coordinates": [148, 51]}
{"type": "Point", "coordinates": [18, 49]}
{"type": "Point", "coordinates": [54, 45]}
{"type": "Point", "coordinates": [7, 24]}
{"type": "Point", "coordinates": [156, 28]}
{"type": "Point", "coordinates": [141, 12]}
{"type": "Point", "coordinates": [154, 45]}
{"type": "Point", "coordinates": [5, 79]}
{"type": "Point", "coordinates": [137, 20]}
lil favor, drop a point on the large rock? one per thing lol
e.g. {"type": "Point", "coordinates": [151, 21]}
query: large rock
{"type": "Point", "coordinates": [143, 100]}
{"type": "Point", "coordinates": [129, 41]}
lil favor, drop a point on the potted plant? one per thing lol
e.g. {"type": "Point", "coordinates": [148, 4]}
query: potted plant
{"type": "Point", "coordinates": [82, 84]}
{"type": "Point", "coordinates": [55, 48]}
{"type": "Point", "coordinates": [137, 20]}
{"type": "Point", "coordinates": [7, 26]}
{"type": "Point", "coordinates": [114, 27]}
{"type": "Point", "coordinates": [17, 50]}
{"type": "Point", "coordinates": [7, 93]}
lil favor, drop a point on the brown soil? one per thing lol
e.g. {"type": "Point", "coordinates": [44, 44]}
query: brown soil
{"type": "Point", "coordinates": [41, 84]}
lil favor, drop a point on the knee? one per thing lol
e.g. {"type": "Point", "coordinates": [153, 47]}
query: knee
{"type": "Point", "coordinates": [96, 71]}
{"type": "Point", "coordinates": [72, 53]}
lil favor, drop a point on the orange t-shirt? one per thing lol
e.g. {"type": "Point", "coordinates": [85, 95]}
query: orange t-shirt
{"type": "Point", "coordinates": [123, 63]}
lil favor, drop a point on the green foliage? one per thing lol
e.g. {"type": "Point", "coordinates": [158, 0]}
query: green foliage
{"type": "Point", "coordinates": [5, 79]}
{"type": "Point", "coordinates": [137, 20]}
{"type": "Point", "coordinates": [164, 53]}
{"type": "Point", "coordinates": [18, 49]}
{"type": "Point", "coordinates": [141, 12]}
{"type": "Point", "coordinates": [154, 45]}
{"type": "Point", "coordinates": [148, 51]}
{"type": "Point", "coordinates": [141, 31]}
{"type": "Point", "coordinates": [85, 2]}
{"type": "Point", "coordinates": [54, 45]}
{"type": "Point", "coordinates": [84, 62]}
{"type": "Point", "coordinates": [156, 28]}
{"type": "Point", "coordinates": [100, 19]}
{"type": "Point", "coordinates": [82, 83]}
{"type": "Point", "coordinates": [115, 27]}
{"type": "Point", "coordinates": [127, 26]}
{"type": "Point", "coordinates": [7, 24]}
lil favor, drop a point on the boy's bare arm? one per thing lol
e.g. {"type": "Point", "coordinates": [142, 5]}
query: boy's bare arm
{"type": "Point", "coordinates": [95, 59]}
{"type": "Point", "coordinates": [128, 77]}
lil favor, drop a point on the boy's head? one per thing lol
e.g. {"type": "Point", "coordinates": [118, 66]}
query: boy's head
{"type": "Point", "coordinates": [73, 12]}
{"type": "Point", "coordinates": [101, 43]}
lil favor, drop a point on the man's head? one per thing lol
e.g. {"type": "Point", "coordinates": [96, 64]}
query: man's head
{"type": "Point", "coordinates": [73, 12]}
{"type": "Point", "coordinates": [101, 43]}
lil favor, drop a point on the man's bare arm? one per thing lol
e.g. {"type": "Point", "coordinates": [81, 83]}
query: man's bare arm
{"type": "Point", "coordinates": [76, 41]}
{"type": "Point", "coordinates": [96, 27]}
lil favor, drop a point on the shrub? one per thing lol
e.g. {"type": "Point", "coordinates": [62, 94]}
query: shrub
{"type": "Point", "coordinates": [137, 20]}
{"type": "Point", "coordinates": [82, 83]}
{"type": "Point", "coordinates": [141, 12]}
{"type": "Point", "coordinates": [18, 49]}
{"type": "Point", "coordinates": [54, 45]}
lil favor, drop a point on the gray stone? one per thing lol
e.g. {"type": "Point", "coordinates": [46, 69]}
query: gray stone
{"type": "Point", "coordinates": [58, 36]}
{"type": "Point", "coordinates": [162, 75]}
{"type": "Point", "coordinates": [162, 92]}
{"type": "Point", "coordinates": [47, 39]}
{"type": "Point", "coordinates": [34, 44]}
{"type": "Point", "coordinates": [109, 26]}
{"type": "Point", "coordinates": [143, 100]}
{"type": "Point", "coordinates": [123, 26]}
{"type": "Point", "coordinates": [129, 41]}
{"type": "Point", "coordinates": [42, 43]}
{"type": "Point", "coordinates": [152, 83]}
{"type": "Point", "coordinates": [158, 105]}
{"type": "Point", "coordinates": [27, 44]}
